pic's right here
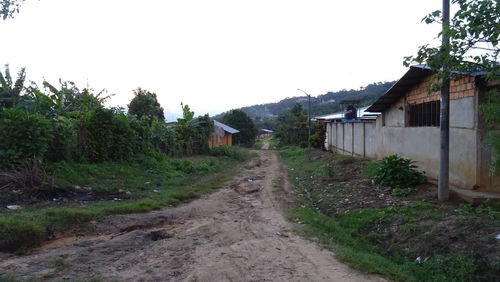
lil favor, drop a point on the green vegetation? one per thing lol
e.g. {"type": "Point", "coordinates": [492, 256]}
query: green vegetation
{"type": "Point", "coordinates": [66, 123]}
{"type": "Point", "coordinates": [63, 143]}
{"type": "Point", "coordinates": [472, 27]}
{"type": "Point", "coordinates": [145, 104]}
{"type": "Point", "coordinates": [406, 240]}
{"type": "Point", "coordinates": [292, 129]}
{"type": "Point", "coordinates": [491, 114]}
{"type": "Point", "coordinates": [241, 121]}
{"type": "Point", "coordinates": [397, 173]}
{"type": "Point", "coordinates": [228, 151]}
{"type": "Point", "coordinates": [136, 187]}
{"type": "Point", "coordinates": [23, 135]}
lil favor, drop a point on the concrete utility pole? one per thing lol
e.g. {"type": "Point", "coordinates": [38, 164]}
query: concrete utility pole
{"type": "Point", "coordinates": [308, 119]}
{"type": "Point", "coordinates": [444, 160]}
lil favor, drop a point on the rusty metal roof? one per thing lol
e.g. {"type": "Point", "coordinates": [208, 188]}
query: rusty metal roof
{"type": "Point", "coordinates": [411, 78]}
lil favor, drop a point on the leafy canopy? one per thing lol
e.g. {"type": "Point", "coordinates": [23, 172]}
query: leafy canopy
{"type": "Point", "coordinates": [145, 103]}
{"type": "Point", "coordinates": [9, 7]}
{"type": "Point", "coordinates": [240, 120]}
{"type": "Point", "coordinates": [292, 127]}
{"type": "Point", "coordinates": [473, 34]}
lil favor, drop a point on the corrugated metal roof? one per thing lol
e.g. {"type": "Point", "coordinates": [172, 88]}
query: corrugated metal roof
{"type": "Point", "coordinates": [226, 128]}
{"type": "Point", "coordinates": [412, 77]}
{"type": "Point", "coordinates": [362, 114]}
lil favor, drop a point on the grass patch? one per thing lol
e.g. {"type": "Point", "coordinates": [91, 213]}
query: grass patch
{"type": "Point", "coordinates": [153, 184]}
{"type": "Point", "coordinates": [18, 232]}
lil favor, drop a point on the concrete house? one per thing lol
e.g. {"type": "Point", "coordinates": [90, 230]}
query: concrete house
{"type": "Point", "coordinates": [221, 135]}
{"type": "Point", "coordinates": [408, 125]}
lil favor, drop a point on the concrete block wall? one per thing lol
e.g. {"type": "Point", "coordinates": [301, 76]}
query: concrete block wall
{"type": "Point", "coordinates": [351, 138]}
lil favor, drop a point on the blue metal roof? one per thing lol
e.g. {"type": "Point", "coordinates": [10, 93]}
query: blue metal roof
{"type": "Point", "coordinates": [226, 128]}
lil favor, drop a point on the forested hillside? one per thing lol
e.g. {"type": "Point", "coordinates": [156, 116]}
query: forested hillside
{"type": "Point", "coordinates": [265, 114]}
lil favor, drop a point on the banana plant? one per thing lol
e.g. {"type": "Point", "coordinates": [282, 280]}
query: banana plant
{"type": "Point", "coordinates": [65, 101]}
{"type": "Point", "coordinates": [10, 91]}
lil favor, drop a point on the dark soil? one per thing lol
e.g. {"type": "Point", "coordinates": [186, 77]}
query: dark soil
{"type": "Point", "coordinates": [54, 195]}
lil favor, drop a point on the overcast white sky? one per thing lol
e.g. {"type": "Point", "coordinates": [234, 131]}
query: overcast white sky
{"type": "Point", "coordinates": [215, 55]}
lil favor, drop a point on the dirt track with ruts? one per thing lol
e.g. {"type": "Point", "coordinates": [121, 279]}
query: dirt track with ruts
{"type": "Point", "coordinates": [235, 234]}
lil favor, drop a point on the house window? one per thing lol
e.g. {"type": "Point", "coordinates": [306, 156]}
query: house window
{"type": "Point", "coordinates": [424, 114]}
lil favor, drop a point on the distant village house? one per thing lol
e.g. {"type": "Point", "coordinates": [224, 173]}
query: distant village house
{"type": "Point", "coordinates": [264, 133]}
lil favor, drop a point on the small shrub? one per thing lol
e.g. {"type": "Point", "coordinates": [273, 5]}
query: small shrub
{"type": "Point", "coordinates": [316, 141]}
{"type": "Point", "coordinates": [398, 173]}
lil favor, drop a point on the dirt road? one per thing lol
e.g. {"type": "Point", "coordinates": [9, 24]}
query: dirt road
{"type": "Point", "coordinates": [235, 234]}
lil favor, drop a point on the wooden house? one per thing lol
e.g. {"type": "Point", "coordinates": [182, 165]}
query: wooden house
{"type": "Point", "coordinates": [221, 135]}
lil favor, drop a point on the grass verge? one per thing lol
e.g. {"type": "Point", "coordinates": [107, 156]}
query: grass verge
{"type": "Point", "coordinates": [149, 185]}
{"type": "Point", "coordinates": [403, 239]}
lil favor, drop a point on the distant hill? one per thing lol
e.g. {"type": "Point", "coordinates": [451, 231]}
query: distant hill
{"type": "Point", "coordinates": [265, 114]}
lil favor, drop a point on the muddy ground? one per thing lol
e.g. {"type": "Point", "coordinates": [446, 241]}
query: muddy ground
{"type": "Point", "coordinates": [235, 234]}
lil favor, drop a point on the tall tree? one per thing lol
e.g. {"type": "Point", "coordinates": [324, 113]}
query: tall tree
{"type": "Point", "coordinates": [241, 121]}
{"type": "Point", "coordinates": [292, 127]}
{"type": "Point", "coordinates": [145, 103]}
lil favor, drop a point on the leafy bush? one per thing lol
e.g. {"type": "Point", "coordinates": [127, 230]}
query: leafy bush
{"type": "Point", "coordinates": [22, 136]}
{"type": "Point", "coordinates": [106, 135]}
{"type": "Point", "coordinates": [63, 140]}
{"type": "Point", "coordinates": [397, 173]}
{"type": "Point", "coordinates": [163, 139]}
{"type": "Point", "coordinates": [142, 133]}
